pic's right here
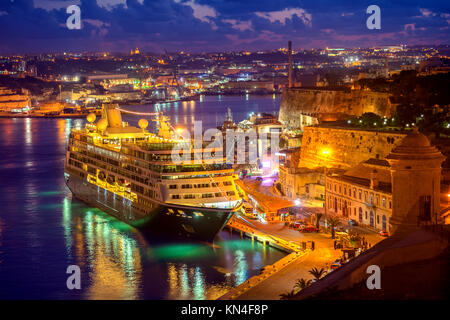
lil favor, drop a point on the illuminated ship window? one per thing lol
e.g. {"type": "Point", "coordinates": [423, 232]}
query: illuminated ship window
{"type": "Point", "coordinates": [198, 214]}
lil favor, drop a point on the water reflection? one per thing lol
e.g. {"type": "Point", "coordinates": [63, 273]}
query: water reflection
{"type": "Point", "coordinates": [123, 263]}
{"type": "Point", "coordinates": [111, 256]}
{"type": "Point", "coordinates": [43, 230]}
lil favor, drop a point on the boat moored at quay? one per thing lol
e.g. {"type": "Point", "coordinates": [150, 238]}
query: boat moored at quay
{"type": "Point", "coordinates": [128, 172]}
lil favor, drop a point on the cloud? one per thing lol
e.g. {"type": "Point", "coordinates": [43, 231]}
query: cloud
{"type": "Point", "coordinates": [327, 31]}
{"type": "Point", "coordinates": [239, 25]}
{"type": "Point", "coordinates": [412, 27]}
{"type": "Point", "coordinates": [54, 4]}
{"type": "Point", "coordinates": [96, 23]}
{"type": "Point", "coordinates": [283, 15]}
{"type": "Point", "coordinates": [409, 26]}
{"type": "Point", "coordinates": [201, 12]}
{"type": "Point", "coordinates": [446, 16]}
{"type": "Point", "coordinates": [427, 13]}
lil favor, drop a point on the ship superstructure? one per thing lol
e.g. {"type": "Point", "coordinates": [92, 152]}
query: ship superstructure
{"type": "Point", "coordinates": [129, 173]}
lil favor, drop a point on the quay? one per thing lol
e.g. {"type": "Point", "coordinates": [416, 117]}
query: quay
{"type": "Point", "coordinates": [305, 250]}
{"type": "Point", "coordinates": [281, 276]}
{"type": "Point", "coordinates": [245, 229]}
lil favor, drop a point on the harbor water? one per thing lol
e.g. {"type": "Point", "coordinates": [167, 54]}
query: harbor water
{"type": "Point", "coordinates": [43, 230]}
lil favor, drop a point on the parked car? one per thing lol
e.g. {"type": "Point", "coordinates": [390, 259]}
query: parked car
{"type": "Point", "coordinates": [296, 224]}
{"type": "Point", "coordinates": [308, 229]}
{"type": "Point", "coordinates": [352, 222]}
{"type": "Point", "coordinates": [336, 264]}
{"type": "Point", "coordinates": [384, 233]}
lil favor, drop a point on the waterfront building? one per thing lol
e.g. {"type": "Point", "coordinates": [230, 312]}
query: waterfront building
{"type": "Point", "coordinates": [11, 101]}
{"type": "Point", "coordinates": [403, 190]}
{"type": "Point", "coordinates": [52, 107]}
{"type": "Point", "coordinates": [261, 132]}
{"type": "Point", "coordinates": [336, 148]}
{"type": "Point", "coordinates": [299, 182]}
{"type": "Point", "coordinates": [267, 128]}
{"type": "Point", "coordinates": [362, 193]}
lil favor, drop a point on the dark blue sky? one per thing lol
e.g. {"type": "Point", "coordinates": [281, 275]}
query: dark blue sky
{"type": "Point", "coordinates": [214, 25]}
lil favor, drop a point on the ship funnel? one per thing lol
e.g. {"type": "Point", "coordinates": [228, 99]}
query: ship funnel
{"type": "Point", "coordinates": [112, 115]}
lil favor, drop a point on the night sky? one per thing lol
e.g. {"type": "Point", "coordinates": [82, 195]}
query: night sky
{"type": "Point", "coordinates": [33, 26]}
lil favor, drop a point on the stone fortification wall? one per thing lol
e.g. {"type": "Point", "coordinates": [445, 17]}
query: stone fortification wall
{"type": "Point", "coordinates": [331, 104]}
{"type": "Point", "coordinates": [344, 148]}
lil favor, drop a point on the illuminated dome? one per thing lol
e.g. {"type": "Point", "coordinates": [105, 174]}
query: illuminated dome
{"type": "Point", "coordinates": [415, 139]}
{"type": "Point", "coordinates": [415, 146]}
{"type": "Point", "coordinates": [91, 117]}
{"type": "Point", "coordinates": [143, 124]}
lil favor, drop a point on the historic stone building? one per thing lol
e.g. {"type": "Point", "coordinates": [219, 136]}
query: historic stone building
{"type": "Point", "coordinates": [331, 104]}
{"type": "Point", "coordinates": [362, 193]}
{"type": "Point", "coordinates": [399, 193]}
{"type": "Point", "coordinates": [340, 147]}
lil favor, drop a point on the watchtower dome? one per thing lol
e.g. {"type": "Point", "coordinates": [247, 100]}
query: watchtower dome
{"type": "Point", "coordinates": [416, 175]}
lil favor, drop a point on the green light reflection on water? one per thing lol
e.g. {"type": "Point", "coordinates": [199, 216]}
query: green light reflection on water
{"type": "Point", "coordinates": [67, 219]}
{"type": "Point", "coordinates": [240, 267]}
{"type": "Point", "coordinates": [199, 285]}
{"type": "Point", "coordinates": [49, 193]}
{"type": "Point", "coordinates": [127, 254]}
{"type": "Point", "coordinates": [180, 251]}
{"type": "Point", "coordinates": [184, 282]}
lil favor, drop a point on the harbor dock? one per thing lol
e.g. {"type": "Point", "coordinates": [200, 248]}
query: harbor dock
{"type": "Point", "coordinates": [281, 276]}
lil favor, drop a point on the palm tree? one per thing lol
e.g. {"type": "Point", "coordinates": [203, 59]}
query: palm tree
{"type": "Point", "coordinates": [302, 284]}
{"type": "Point", "coordinates": [288, 295]}
{"type": "Point", "coordinates": [318, 217]}
{"type": "Point", "coordinates": [333, 222]}
{"type": "Point", "coordinates": [316, 273]}
{"type": "Point", "coordinates": [354, 239]}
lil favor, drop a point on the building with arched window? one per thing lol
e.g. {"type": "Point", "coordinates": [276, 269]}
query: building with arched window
{"type": "Point", "coordinates": [362, 193]}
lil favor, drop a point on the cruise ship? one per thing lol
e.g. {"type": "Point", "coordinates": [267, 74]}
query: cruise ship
{"type": "Point", "coordinates": [128, 173]}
